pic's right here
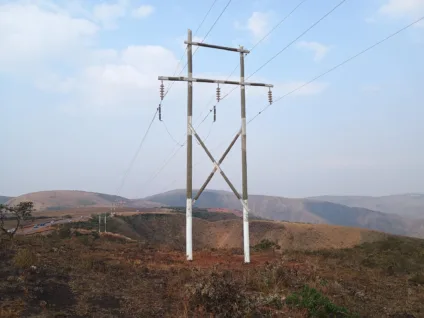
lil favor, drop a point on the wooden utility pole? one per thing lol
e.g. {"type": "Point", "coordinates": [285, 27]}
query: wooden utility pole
{"type": "Point", "coordinates": [217, 165]}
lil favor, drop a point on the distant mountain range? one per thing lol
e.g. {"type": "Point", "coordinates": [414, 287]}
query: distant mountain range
{"type": "Point", "coordinates": [410, 204]}
{"type": "Point", "coordinates": [377, 213]}
{"type": "Point", "coordinates": [301, 210]}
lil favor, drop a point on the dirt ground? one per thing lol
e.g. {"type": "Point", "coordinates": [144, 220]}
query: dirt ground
{"type": "Point", "coordinates": [80, 275]}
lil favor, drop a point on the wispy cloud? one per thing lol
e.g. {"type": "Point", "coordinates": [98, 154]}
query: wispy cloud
{"type": "Point", "coordinates": [107, 14]}
{"type": "Point", "coordinates": [258, 24]}
{"type": "Point", "coordinates": [400, 10]}
{"type": "Point", "coordinates": [143, 11]}
{"type": "Point", "coordinates": [320, 50]}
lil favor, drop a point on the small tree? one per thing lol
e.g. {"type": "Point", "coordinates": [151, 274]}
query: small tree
{"type": "Point", "coordinates": [20, 212]}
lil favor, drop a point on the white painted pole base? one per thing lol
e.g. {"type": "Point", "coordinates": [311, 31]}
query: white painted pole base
{"type": "Point", "coordinates": [189, 230]}
{"type": "Point", "coordinates": [246, 242]}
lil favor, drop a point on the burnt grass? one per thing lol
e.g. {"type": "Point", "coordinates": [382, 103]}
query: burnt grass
{"type": "Point", "coordinates": [69, 275]}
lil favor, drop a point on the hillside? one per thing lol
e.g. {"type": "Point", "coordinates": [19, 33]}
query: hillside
{"type": "Point", "coordinates": [301, 210]}
{"type": "Point", "coordinates": [408, 205]}
{"type": "Point", "coordinates": [80, 273]}
{"type": "Point", "coordinates": [68, 199]}
{"type": "Point", "coordinates": [168, 230]}
{"type": "Point", "coordinates": [4, 199]}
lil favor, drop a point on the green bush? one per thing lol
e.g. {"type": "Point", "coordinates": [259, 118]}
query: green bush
{"type": "Point", "coordinates": [317, 304]}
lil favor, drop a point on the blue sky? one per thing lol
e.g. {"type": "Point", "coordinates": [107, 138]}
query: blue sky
{"type": "Point", "coordinates": [78, 88]}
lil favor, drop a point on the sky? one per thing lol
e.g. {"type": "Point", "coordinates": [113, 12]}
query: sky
{"type": "Point", "coordinates": [79, 87]}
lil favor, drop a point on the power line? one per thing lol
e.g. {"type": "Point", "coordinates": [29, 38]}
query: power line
{"type": "Point", "coordinates": [254, 46]}
{"type": "Point", "coordinates": [209, 31]}
{"type": "Point", "coordinates": [197, 163]}
{"type": "Point", "coordinates": [164, 164]}
{"type": "Point", "coordinates": [204, 18]}
{"type": "Point", "coordinates": [216, 21]}
{"type": "Point", "coordinates": [227, 94]}
{"type": "Point", "coordinates": [287, 46]}
{"type": "Point", "coordinates": [326, 72]}
{"type": "Point", "coordinates": [167, 91]}
{"type": "Point", "coordinates": [278, 24]}
{"type": "Point", "coordinates": [272, 58]}
{"type": "Point", "coordinates": [207, 34]}
{"type": "Point", "coordinates": [340, 64]}
{"type": "Point", "coordinates": [170, 135]}
{"type": "Point", "coordinates": [136, 154]}
{"type": "Point", "coordinates": [297, 38]}
{"type": "Point", "coordinates": [182, 56]}
{"type": "Point", "coordinates": [173, 153]}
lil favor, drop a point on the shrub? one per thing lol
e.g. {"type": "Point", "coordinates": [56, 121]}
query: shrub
{"type": "Point", "coordinates": [84, 239]}
{"type": "Point", "coordinates": [265, 244]}
{"type": "Point", "coordinates": [317, 304]}
{"type": "Point", "coordinates": [64, 232]}
{"type": "Point", "coordinates": [95, 235]}
{"type": "Point", "coordinates": [219, 294]}
{"type": "Point", "coordinates": [24, 258]}
{"type": "Point", "coordinates": [417, 279]}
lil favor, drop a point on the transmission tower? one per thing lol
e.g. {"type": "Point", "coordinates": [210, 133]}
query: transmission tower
{"type": "Point", "coordinates": [217, 164]}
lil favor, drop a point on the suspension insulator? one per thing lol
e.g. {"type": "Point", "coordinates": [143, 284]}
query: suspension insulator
{"type": "Point", "coordinates": [160, 112]}
{"type": "Point", "coordinates": [218, 94]}
{"type": "Point", "coordinates": [162, 91]}
{"type": "Point", "coordinates": [270, 96]}
{"type": "Point", "coordinates": [214, 113]}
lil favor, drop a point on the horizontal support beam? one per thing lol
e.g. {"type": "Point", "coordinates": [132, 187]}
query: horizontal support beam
{"type": "Point", "coordinates": [219, 47]}
{"type": "Point", "coordinates": [205, 80]}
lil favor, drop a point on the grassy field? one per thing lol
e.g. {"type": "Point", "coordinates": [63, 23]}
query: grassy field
{"type": "Point", "coordinates": [70, 274]}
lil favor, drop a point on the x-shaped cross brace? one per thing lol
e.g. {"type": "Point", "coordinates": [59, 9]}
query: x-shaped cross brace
{"type": "Point", "coordinates": [217, 166]}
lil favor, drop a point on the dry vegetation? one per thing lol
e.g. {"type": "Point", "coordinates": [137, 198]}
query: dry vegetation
{"type": "Point", "coordinates": [162, 229]}
{"type": "Point", "coordinates": [82, 274]}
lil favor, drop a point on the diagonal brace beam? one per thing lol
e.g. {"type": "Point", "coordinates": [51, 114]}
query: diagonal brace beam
{"type": "Point", "coordinates": [215, 167]}
{"type": "Point", "coordinates": [215, 163]}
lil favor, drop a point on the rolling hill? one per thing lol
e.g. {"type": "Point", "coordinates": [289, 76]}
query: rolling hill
{"type": "Point", "coordinates": [301, 210]}
{"type": "Point", "coordinates": [168, 230]}
{"type": "Point", "coordinates": [68, 199]}
{"type": "Point", "coordinates": [409, 205]}
{"type": "Point", "coordinates": [309, 210]}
